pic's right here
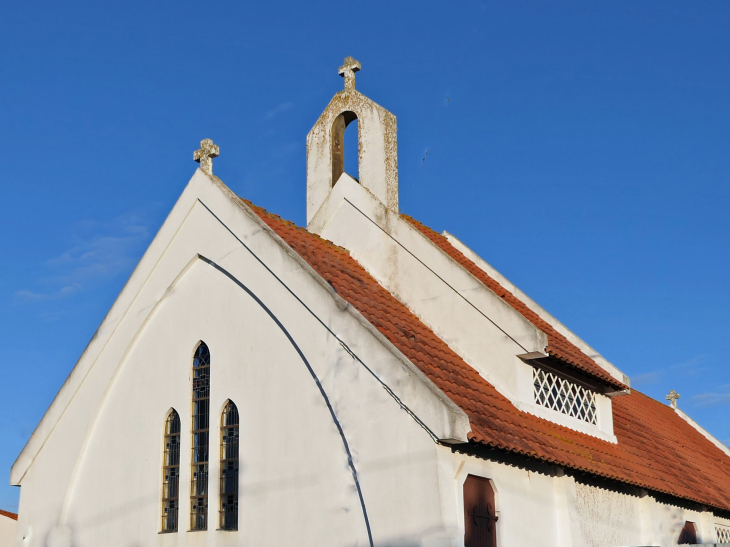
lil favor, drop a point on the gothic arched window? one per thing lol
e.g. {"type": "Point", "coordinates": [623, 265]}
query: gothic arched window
{"type": "Point", "coordinates": [171, 472]}
{"type": "Point", "coordinates": [201, 421]}
{"type": "Point", "coordinates": [338, 144]}
{"type": "Point", "coordinates": [229, 467]}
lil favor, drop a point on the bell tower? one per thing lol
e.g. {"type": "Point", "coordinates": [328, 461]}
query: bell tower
{"type": "Point", "coordinates": [377, 146]}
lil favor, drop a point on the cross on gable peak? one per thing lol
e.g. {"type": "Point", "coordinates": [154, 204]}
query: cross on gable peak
{"type": "Point", "coordinates": [347, 71]}
{"type": "Point", "coordinates": [204, 156]}
{"type": "Point", "coordinates": [672, 398]}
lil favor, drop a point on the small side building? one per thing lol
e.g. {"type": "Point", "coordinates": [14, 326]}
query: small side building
{"type": "Point", "coordinates": [8, 527]}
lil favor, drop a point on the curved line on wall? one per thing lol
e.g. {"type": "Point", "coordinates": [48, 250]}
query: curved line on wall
{"type": "Point", "coordinates": [83, 449]}
{"type": "Point", "coordinates": [322, 392]}
{"type": "Point", "coordinates": [72, 483]}
{"type": "Point", "coordinates": [342, 343]}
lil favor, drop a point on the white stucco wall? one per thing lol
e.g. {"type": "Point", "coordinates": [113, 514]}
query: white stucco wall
{"type": "Point", "coordinates": [384, 245]}
{"type": "Point", "coordinates": [551, 509]}
{"type": "Point", "coordinates": [476, 323]}
{"type": "Point", "coordinates": [603, 517]}
{"type": "Point", "coordinates": [97, 474]}
{"type": "Point", "coordinates": [290, 448]}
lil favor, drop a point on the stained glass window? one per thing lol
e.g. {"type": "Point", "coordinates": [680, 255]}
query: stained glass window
{"type": "Point", "coordinates": [171, 473]}
{"type": "Point", "coordinates": [229, 468]}
{"type": "Point", "coordinates": [201, 421]}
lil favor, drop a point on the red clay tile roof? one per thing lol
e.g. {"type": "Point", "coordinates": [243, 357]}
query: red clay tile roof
{"type": "Point", "coordinates": [657, 450]}
{"type": "Point", "coordinates": [9, 514]}
{"type": "Point", "coordinates": [558, 345]}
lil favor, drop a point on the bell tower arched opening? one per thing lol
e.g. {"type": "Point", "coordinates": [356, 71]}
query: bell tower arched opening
{"type": "Point", "coordinates": [342, 145]}
{"type": "Point", "coordinates": [369, 154]}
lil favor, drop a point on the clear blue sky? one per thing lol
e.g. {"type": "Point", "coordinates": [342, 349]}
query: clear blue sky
{"type": "Point", "coordinates": [580, 147]}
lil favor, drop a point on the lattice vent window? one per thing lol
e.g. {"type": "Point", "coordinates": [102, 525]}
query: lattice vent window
{"type": "Point", "coordinates": [723, 534]}
{"type": "Point", "coordinates": [556, 393]}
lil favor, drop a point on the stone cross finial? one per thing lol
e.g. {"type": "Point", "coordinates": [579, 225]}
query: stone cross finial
{"type": "Point", "coordinates": [348, 72]}
{"type": "Point", "coordinates": [672, 398]}
{"type": "Point", "coordinates": [205, 155]}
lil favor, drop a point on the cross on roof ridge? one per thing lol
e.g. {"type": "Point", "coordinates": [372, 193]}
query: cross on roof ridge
{"type": "Point", "coordinates": [672, 398]}
{"type": "Point", "coordinates": [347, 71]}
{"type": "Point", "coordinates": [204, 156]}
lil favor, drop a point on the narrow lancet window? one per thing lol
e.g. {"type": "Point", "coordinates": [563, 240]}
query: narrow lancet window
{"type": "Point", "coordinates": [171, 473]}
{"type": "Point", "coordinates": [201, 420]}
{"type": "Point", "coordinates": [229, 467]}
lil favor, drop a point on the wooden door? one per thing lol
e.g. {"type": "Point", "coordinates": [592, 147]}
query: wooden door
{"type": "Point", "coordinates": [480, 520]}
{"type": "Point", "coordinates": [688, 535]}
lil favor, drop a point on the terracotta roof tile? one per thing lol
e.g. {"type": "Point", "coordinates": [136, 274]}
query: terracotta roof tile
{"type": "Point", "coordinates": [656, 449]}
{"type": "Point", "coordinates": [9, 514]}
{"type": "Point", "coordinates": [558, 345]}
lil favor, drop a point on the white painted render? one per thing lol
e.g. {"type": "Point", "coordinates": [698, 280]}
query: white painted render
{"type": "Point", "coordinates": [8, 528]}
{"type": "Point", "coordinates": [476, 323]}
{"type": "Point", "coordinates": [555, 510]}
{"type": "Point", "coordinates": [95, 471]}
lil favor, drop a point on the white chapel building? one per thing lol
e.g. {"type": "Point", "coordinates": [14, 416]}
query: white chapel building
{"type": "Point", "coordinates": [364, 381]}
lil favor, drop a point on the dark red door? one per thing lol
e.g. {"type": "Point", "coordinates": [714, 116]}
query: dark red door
{"type": "Point", "coordinates": [480, 521]}
{"type": "Point", "coordinates": [688, 535]}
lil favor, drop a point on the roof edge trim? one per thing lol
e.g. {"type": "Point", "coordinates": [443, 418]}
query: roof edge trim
{"type": "Point", "coordinates": [535, 307]}
{"type": "Point", "coordinates": [458, 419]}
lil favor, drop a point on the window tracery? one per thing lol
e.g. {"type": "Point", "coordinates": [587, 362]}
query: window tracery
{"type": "Point", "coordinates": [171, 473]}
{"type": "Point", "coordinates": [201, 422]}
{"type": "Point", "coordinates": [229, 468]}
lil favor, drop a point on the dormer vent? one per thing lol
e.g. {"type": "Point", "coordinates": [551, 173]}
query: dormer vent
{"type": "Point", "coordinates": [564, 396]}
{"type": "Point", "coordinates": [377, 146]}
